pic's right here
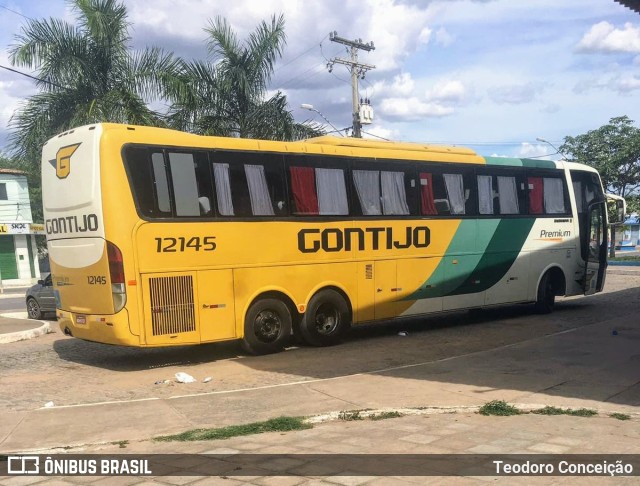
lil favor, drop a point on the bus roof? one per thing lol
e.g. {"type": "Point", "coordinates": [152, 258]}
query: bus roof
{"type": "Point", "coordinates": [388, 145]}
{"type": "Point", "coordinates": [324, 145]}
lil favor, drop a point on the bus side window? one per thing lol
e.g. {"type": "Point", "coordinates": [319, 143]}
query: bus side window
{"type": "Point", "coordinates": [315, 190]}
{"type": "Point", "coordinates": [547, 194]}
{"type": "Point", "coordinates": [249, 184]}
{"type": "Point", "coordinates": [501, 193]}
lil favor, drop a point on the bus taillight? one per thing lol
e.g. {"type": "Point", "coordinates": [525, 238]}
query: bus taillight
{"type": "Point", "coordinates": [116, 271]}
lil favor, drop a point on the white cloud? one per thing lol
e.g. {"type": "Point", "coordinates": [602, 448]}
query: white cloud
{"type": "Point", "coordinates": [403, 84]}
{"type": "Point", "coordinates": [627, 84]}
{"type": "Point", "coordinates": [447, 91]}
{"type": "Point", "coordinates": [412, 109]}
{"type": "Point", "coordinates": [425, 35]}
{"type": "Point", "coordinates": [604, 37]}
{"type": "Point", "coordinates": [527, 149]}
{"type": "Point", "coordinates": [443, 37]}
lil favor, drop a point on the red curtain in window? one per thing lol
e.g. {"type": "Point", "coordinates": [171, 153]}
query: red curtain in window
{"type": "Point", "coordinates": [427, 202]}
{"type": "Point", "coordinates": [536, 203]}
{"type": "Point", "coordinates": [303, 186]}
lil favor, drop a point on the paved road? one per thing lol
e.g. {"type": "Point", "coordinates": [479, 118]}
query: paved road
{"type": "Point", "coordinates": [68, 371]}
{"type": "Point", "coordinates": [12, 302]}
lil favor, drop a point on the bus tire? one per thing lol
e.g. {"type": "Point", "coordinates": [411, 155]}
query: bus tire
{"type": "Point", "coordinates": [267, 327]}
{"type": "Point", "coordinates": [325, 320]}
{"type": "Point", "coordinates": [546, 295]}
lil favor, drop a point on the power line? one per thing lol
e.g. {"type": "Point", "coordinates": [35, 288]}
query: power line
{"type": "Point", "coordinates": [302, 54]}
{"type": "Point", "coordinates": [32, 77]}
{"type": "Point", "coordinates": [17, 13]}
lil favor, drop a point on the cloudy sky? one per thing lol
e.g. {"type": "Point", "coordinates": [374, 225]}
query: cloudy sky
{"type": "Point", "coordinates": [490, 74]}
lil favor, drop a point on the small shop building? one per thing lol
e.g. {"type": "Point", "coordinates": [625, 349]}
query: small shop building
{"type": "Point", "coordinates": [630, 233]}
{"type": "Point", "coordinates": [18, 249]}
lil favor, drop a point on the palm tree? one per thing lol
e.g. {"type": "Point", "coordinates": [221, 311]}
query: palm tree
{"type": "Point", "coordinates": [87, 74]}
{"type": "Point", "coordinates": [227, 96]}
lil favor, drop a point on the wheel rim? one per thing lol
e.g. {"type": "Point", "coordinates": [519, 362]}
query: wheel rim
{"type": "Point", "coordinates": [267, 326]}
{"type": "Point", "coordinates": [33, 308]}
{"type": "Point", "coordinates": [327, 319]}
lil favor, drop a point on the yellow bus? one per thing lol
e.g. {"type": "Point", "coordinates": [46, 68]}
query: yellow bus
{"type": "Point", "coordinates": [158, 237]}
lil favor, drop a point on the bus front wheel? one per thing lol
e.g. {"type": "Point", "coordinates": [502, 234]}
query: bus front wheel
{"type": "Point", "coordinates": [325, 320]}
{"type": "Point", "coordinates": [546, 295]}
{"type": "Point", "coordinates": [267, 327]}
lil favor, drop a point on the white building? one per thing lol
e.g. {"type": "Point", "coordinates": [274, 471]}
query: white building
{"type": "Point", "coordinates": [18, 250]}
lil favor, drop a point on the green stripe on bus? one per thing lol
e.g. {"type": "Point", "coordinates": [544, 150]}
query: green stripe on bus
{"type": "Point", "coordinates": [503, 161]}
{"type": "Point", "coordinates": [503, 249]}
{"type": "Point", "coordinates": [539, 164]}
{"type": "Point", "coordinates": [479, 255]}
{"type": "Point", "coordinates": [513, 162]}
{"type": "Point", "coordinates": [467, 247]}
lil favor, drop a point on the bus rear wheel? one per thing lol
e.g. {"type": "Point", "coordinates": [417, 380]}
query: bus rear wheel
{"type": "Point", "coordinates": [546, 298]}
{"type": "Point", "coordinates": [325, 320]}
{"type": "Point", "coordinates": [267, 327]}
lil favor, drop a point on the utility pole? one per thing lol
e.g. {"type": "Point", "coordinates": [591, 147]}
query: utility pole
{"type": "Point", "coordinates": [357, 70]}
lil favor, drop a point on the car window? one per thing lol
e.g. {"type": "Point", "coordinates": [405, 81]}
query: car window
{"type": "Point", "coordinates": [47, 281]}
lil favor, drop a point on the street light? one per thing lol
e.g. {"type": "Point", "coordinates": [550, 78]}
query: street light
{"type": "Point", "coordinates": [557, 150]}
{"type": "Point", "coordinates": [307, 106]}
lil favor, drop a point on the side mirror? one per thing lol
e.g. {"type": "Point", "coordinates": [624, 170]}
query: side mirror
{"type": "Point", "coordinates": [41, 282]}
{"type": "Point", "coordinates": [617, 209]}
{"type": "Point", "coordinates": [620, 210]}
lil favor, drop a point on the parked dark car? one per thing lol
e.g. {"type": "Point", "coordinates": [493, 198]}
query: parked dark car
{"type": "Point", "coordinates": [40, 299]}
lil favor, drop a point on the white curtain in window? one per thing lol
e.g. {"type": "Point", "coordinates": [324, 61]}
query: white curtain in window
{"type": "Point", "coordinates": [394, 195]}
{"type": "Point", "coordinates": [223, 189]}
{"type": "Point", "coordinates": [332, 193]}
{"type": "Point", "coordinates": [185, 186]}
{"type": "Point", "coordinates": [577, 191]}
{"type": "Point", "coordinates": [455, 192]}
{"type": "Point", "coordinates": [485, 194]}
{"type": "Point", "coordinates": [553, 196]}
{"type": "Point", "coordinates": [368, 189]}
{"type": "Point", "coordinates": [508, 195]}
{"type": "Point", "coordinates": [261, 204]}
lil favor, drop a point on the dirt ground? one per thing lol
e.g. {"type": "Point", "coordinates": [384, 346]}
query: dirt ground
{"type": "Point", "coordinates": [69, 371]}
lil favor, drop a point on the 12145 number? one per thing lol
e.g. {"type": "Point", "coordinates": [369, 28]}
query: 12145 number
{"type": "Point", "coordinates": [172, 245]}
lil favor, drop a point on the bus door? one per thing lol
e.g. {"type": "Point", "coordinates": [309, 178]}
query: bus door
{"type": "Point", "coordinates": [386, 289]}
{"type": "Point", "coordinates": [596, 240]}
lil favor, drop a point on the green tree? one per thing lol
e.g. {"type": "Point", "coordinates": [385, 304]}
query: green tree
{"type": "Point", "coordinates": [87, 74]}
{"type": "Point", "coordinates": [614, 150]}
{"type": "Point", "coordinates": [228, 95]}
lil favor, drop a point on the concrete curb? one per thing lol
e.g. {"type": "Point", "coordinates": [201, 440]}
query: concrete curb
{"type": "Point", "coordinates": [12, 337]}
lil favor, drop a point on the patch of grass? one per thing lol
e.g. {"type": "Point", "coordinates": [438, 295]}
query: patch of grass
{"type": "Point", "coordinates": [349, 415]}
{"type": "Point", "coordinates": [627, 258]}
{"type": "Point", "coordinates": [581, 412]}
{"type": "Point", "coordinates": [385, 415]}
{"type": "Point", "coordinates": [548, 410]}
{"type": "Point", "coordinates": [279, 424]}
{"type": "Point", "coordinates": [620, 416]}
{"type": "Point", "coordinates": [498, 407]}
{"type": "Point", "coordinates": [122, 443]}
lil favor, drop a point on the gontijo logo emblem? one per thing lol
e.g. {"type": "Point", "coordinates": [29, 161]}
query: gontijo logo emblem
{"type": "Point", "coordinates": [62, 162]}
